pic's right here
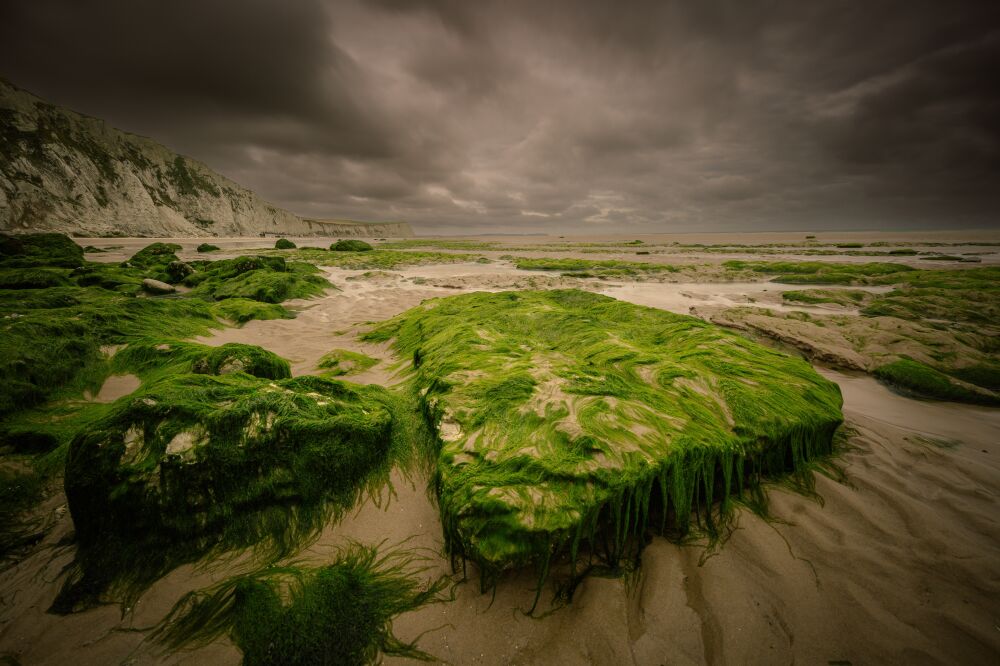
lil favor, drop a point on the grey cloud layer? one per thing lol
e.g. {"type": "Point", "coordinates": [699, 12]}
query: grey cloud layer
{"type": "Point", "coordinates": [556, 116]}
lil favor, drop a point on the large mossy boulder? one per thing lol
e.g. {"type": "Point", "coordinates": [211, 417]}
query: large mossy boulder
{"type": "Point", "coordinates": [146, 357]}
{"type": "Point", "coordinates": [568, 419]}
{"type": "Point", "coordinates": [28, 250]}
{"type": "Point", "coordinates": [257, 278]}
{"type": "Point", "coordinates": [351, 245]}
{"type": "Point", "coordinates": [155, 256]}
{"type": "Point", "coordinates": [196, 462]}
{"type": "Point", "coordinates": [284, 244]}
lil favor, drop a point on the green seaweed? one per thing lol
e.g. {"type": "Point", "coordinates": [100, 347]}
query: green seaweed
{"type": "Point", "coordinates": [284, 244]}
{"type": "Point", "coordinates": [242, 310]}
{"type": "Point", "coordinates": [339, 362]}
{"type": "Point", "coordinates": [609, 268]}
{"type": "Point", "coordinates": [257, 278]}
{"type": "Point", "coordinates": [48, 249]}
{"type": "Point", "coordinates": [207, 247]}
{"type": "Point", "coordinates": [848, 297]}
{"type": "Point", "coordinates": [351, 245]}
{"type": "Point", "coordinates": [340, 613]}
{"type": "Point", "coordinates": [568, 419]}
{"type": "Point", "coordinates": [821, 272]}
{"type": "Point", "coordinates": [924, 381]}
{"type": "Point", "coordinates": [157, 357]}
{"type": "Point", "coordinates": [195, 464]}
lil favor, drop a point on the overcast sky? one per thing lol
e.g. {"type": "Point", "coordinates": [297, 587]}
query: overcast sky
{"type": "Point", "coordinates": [570, 117]}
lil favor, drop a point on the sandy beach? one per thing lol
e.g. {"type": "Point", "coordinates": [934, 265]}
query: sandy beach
{"type": "Point", "coordinates": [895, 561]}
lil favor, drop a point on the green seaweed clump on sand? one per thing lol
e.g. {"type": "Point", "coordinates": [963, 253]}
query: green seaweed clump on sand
{"type": "Point", "coordinates": [568, 420]}
{"type": "Point", "coordinates": [592, 268]}
{"type": "Point", "coordinates": [351, 245]}
{"type": "Point", "coordinates": [822, 272]}
{"type": "Point", "coordinates": [256, 278]}
{"type": "Point", "coordinates": [340, 613]}
{"type": "Point", "coordinates": [916, 377]}
{"type": "Point", "coordinates": [193, 464]}
{"type": "Point", "coordinates": [153, 358]}
{"type": "Point", "coordinates": [284, 244]}
{"type": "Point", "coordinates": [340, 362]}
{"type": "Point", "coordinates": [208, 247]}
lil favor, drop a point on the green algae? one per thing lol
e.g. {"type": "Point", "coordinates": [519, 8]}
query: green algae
{"type": "Point", "coordinates": [568, 420]}
{"type": "Point", "coordinates": [207, 247]}
{"type": "Point", "coordinates": [340, 613]}
{"type": "Point", "coordinates": [821, 272]}
{"type": "Point", "coordinates": [351, 245]}
{"type": "Point", "coordinates": [284, 244]}
{"type": "Point", "coordinates": [48, 249]}
{"type": "Point", "coordinates": [154, 358]}
{"type": "Point", "coordinates": [53, 341]}
{"type": "Point", "coordinates": [377, 259]}
{"type": "Point", "coordinates": [923, 380]}
{"type": "Point", "coordinates": [257, 278]}
{"type": "Point", "coordinates": [340, 362]}
{"type": "Point", "coordinates": [847, 297]}
{"type": "Point", "coordinates": [192, 465]}
{"type": "Point", "coordinates": [592, 268]}
{"type": "Point", "coordinates": [242, 310]}
{"type": "Point", "coordinates": [32, 278]}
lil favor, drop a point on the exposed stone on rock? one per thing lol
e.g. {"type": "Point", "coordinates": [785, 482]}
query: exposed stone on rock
{"type": "Point", "coordinates": [157, 287]}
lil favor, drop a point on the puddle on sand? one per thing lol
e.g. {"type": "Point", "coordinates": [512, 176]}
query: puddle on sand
{"type": "Point", "coordinates": [115, 387]}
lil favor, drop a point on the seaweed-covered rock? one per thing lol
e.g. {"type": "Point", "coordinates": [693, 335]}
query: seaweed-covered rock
{"type": "Point", "coordinates": [178, 270]}
{"type": "Point", "coordinates": [257, 278]}
{"type": "Point", "coordinates": [32, 278]}
{"type": "Point", "coordinates": [284, 244]}
{"type": "Point", "coordinates": [250, 359]}
{"type": "Point", "coordinates": [207, 247]}
{"type": "Point", "coordinates": [351, 245]}
{"type": "Point", "coordinates": [39, 250]}
{"type": "Point", "coordinates": [196, 462]}
{"type": "Point", "coordinates": [568, 418]}
{"type": "Point", "coordinates": [155, 256]}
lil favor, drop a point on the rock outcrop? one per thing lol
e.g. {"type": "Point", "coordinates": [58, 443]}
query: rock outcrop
{"type": "Point", "coordinates": [67, 172]}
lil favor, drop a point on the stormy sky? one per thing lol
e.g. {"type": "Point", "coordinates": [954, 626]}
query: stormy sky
{"type": "Point", "coordinates": [545, 116]}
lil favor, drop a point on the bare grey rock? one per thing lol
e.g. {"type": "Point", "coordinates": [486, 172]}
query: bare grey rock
{"type": "Point", "coordinates": [157, 287]}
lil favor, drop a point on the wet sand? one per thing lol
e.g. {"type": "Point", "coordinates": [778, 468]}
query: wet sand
{"type": "Point", "coordinates": [898, 563]}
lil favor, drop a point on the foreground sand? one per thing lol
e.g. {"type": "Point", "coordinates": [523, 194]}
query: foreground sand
{"type": "Point", "coordinates": [898, 563]}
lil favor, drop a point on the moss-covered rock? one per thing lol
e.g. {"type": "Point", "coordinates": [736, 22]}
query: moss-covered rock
{"type": "Point", "coordinates": [192, 463]}
{"type": "Point", "coordinates": [568, 418]}
{"type": "Point", "coordinates": [155, 256]}
{"type": "Point", "coordinates": [242, 310]}
{"type": "Point", "coordinates": [178, 270]}
{"type": "Point", "coordinates": [351, 245]}
{"type": "Point", "coordinates": [284, 244]}
{"type": "Point", "coordinates": [339, 362]}
{"type": "Point", "coordinates": [39, 250]}
{"type": "Point", "coordinates": [257, 278]}
{"type": "Point", "coordinates": [32, 278]}
{"type": "Point", "coordinates": [208, 247]}
{"type": "Point", "coordinates": [918, 378]}
{"type": "Point", "coordinates": [154, 357]}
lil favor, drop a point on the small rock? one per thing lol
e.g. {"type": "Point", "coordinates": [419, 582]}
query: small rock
{"type": "Point", "coordinates": [178, 270]}
{"type": "Point", "coordinates": [232, 365]}
{"type": "Point", "coordinates": [157, 287]}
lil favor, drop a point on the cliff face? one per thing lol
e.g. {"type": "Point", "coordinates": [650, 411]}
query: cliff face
{"type": "Point", "coordinates": [63, 171]}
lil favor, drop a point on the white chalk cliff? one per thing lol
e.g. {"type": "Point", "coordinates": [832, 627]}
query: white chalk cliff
{"type": "Point", "coordinates": [67, 172]}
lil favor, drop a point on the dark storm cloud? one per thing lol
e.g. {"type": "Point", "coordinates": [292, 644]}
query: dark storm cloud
{"type": "Point", "coordinates": [558, 116]}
